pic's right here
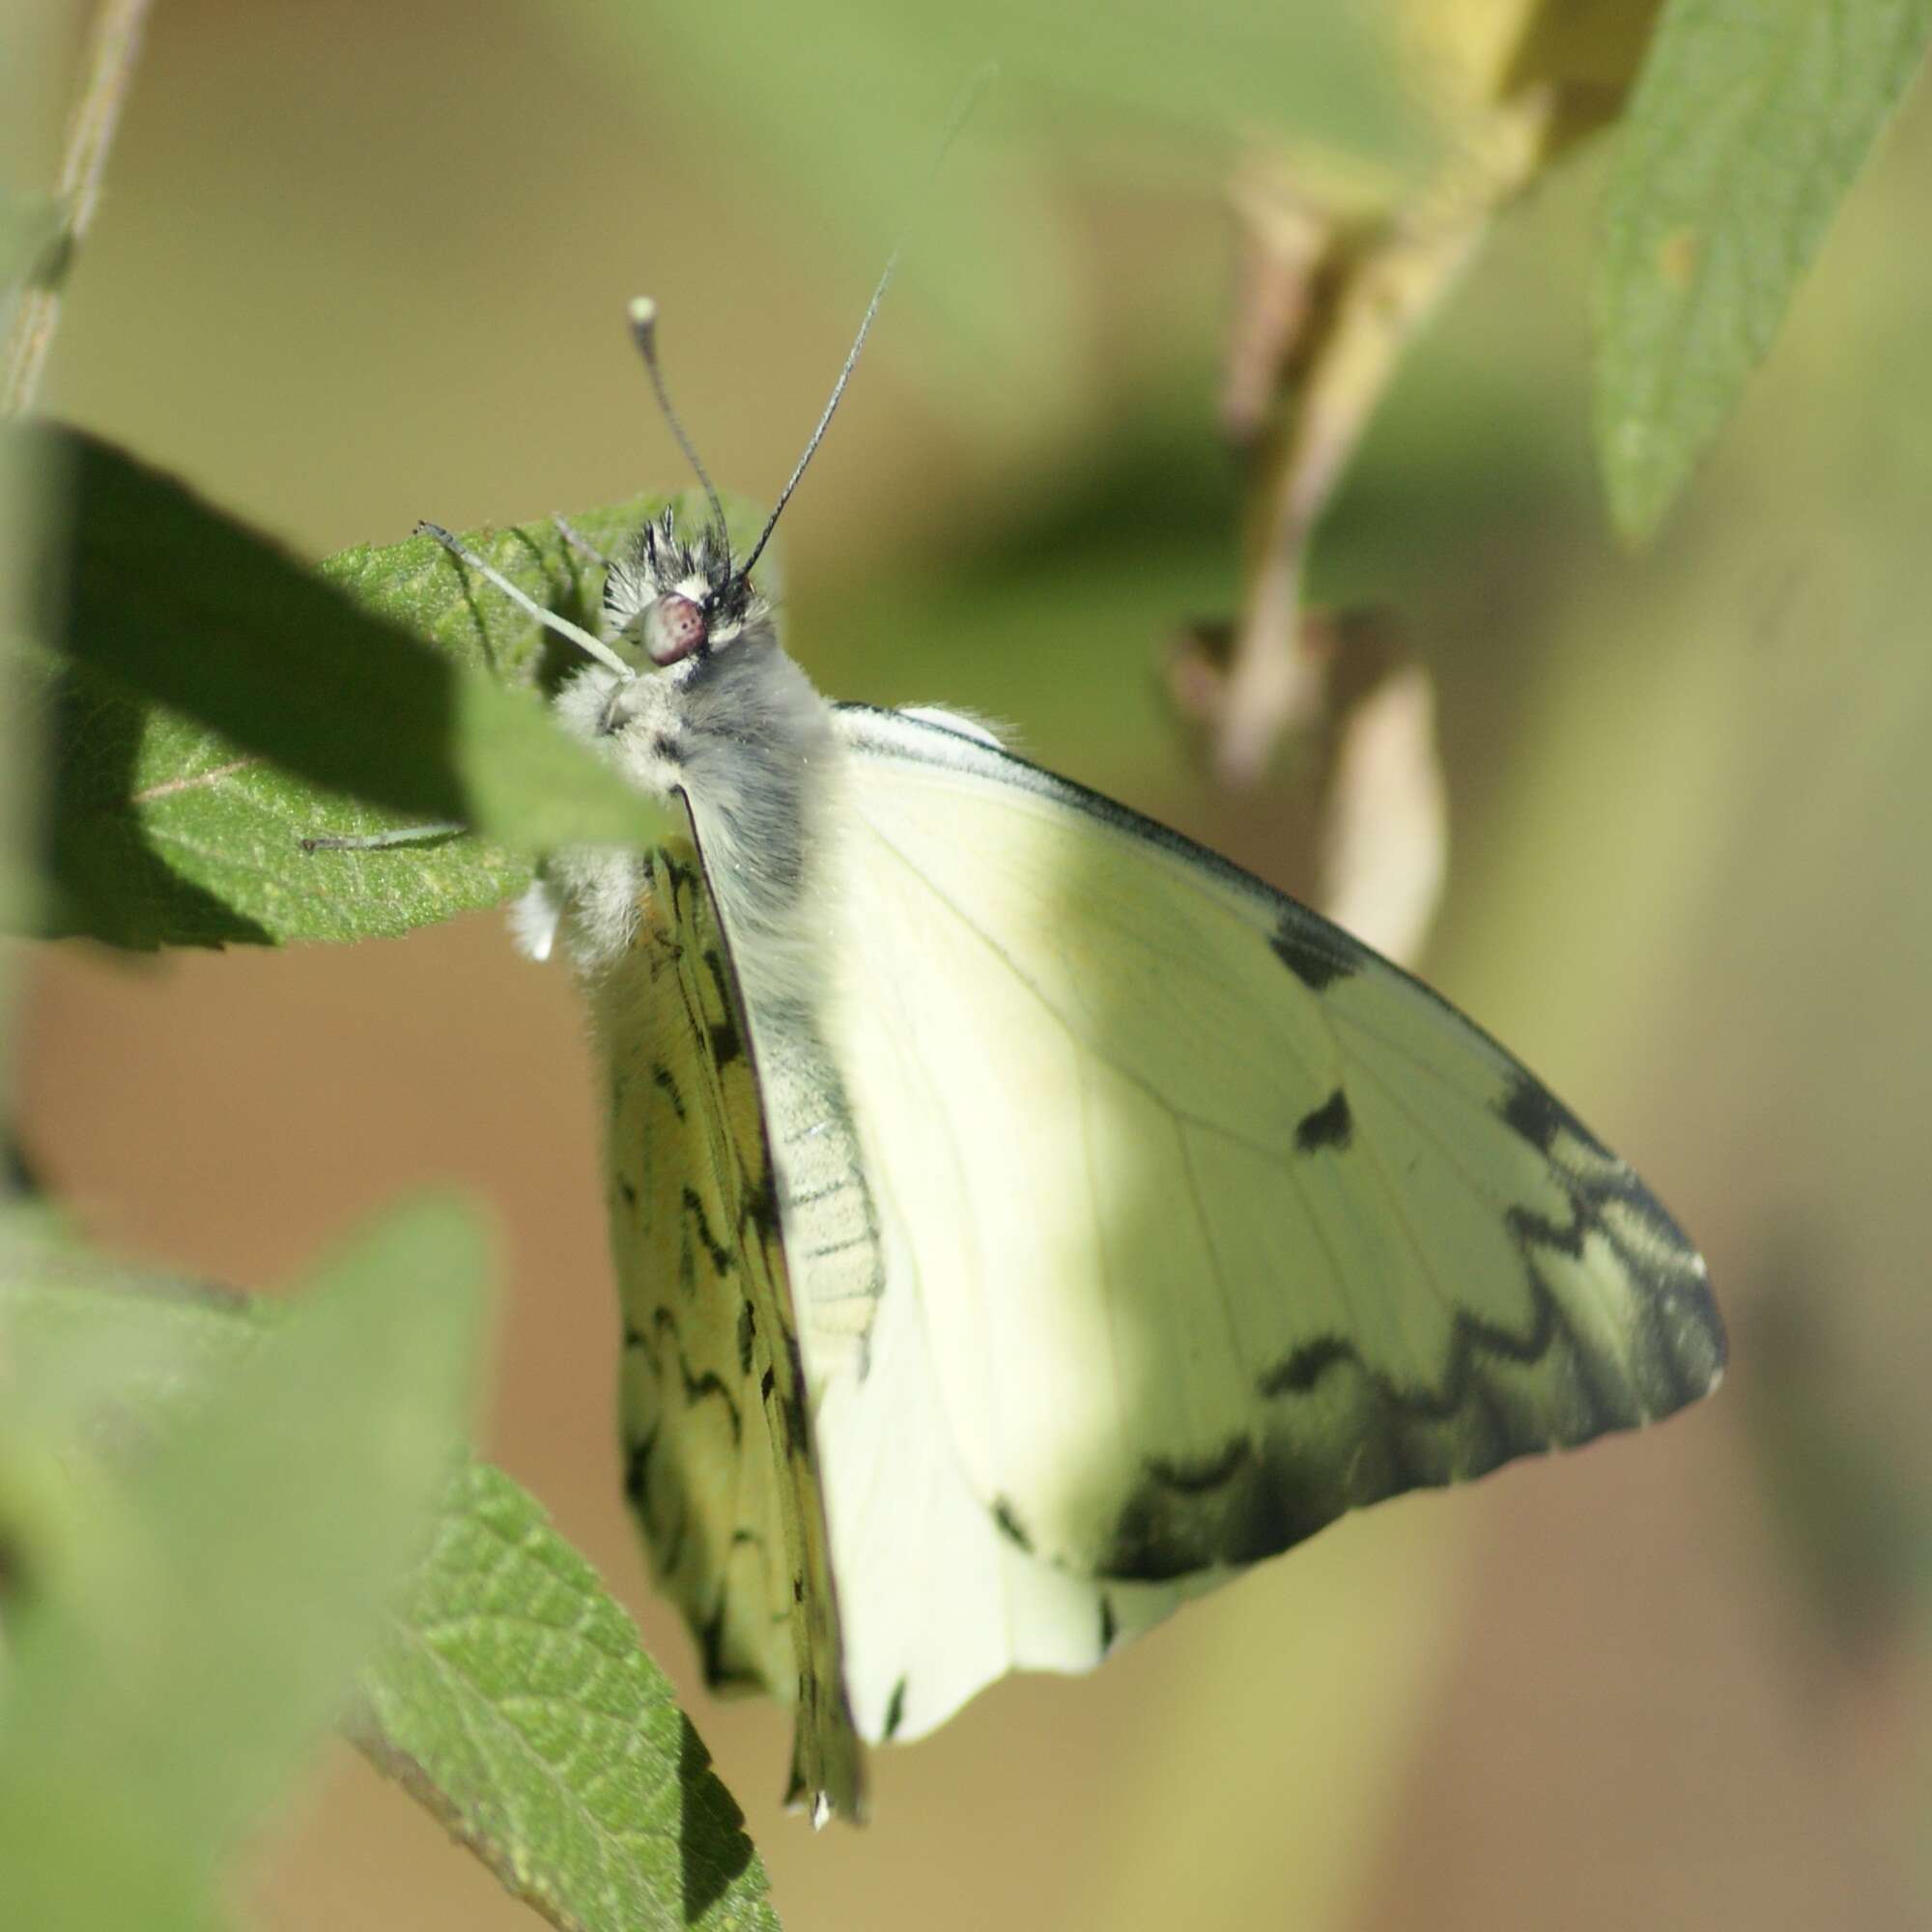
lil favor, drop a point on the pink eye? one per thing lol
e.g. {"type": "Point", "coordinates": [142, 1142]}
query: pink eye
{"type": "Point", "coordinates": [678, 628]}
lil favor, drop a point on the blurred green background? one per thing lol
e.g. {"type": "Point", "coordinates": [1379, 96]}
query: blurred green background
{"type": "Point", "coordinates": [363, 263]}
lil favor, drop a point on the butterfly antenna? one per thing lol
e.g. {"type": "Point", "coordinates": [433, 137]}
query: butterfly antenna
{"type": "Point", "coordinates": [644, 334]}
{"type": "Point", "coordinates": [970, 97]}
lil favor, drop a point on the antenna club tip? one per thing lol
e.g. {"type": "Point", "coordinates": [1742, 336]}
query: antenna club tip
{"type": "Point", "coordinates": [643, 315]}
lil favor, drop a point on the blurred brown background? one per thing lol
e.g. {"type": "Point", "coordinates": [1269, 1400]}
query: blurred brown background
{"type": "Point", "coordinates": [363, 264]}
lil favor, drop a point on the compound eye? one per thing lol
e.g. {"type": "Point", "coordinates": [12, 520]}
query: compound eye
{"type": "Point", "coordinates": [676, 627]}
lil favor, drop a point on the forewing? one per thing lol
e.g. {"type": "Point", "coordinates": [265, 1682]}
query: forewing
{"type": "Point", "coordinates": [1206, 1224]}
{"type": "Point", "coordinates": [720, 1466]}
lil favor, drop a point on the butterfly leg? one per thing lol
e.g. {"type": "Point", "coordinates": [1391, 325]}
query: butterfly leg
{"type": "Point", "coordinates": [382, 841]}
{"type": "Point", "coordinates": [583, 545]}
{"type": "Point", "coordinates": [576, 633]}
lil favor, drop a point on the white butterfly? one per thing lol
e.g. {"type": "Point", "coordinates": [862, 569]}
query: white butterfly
{"type": "Point", "coordinates": [1024, 1218]}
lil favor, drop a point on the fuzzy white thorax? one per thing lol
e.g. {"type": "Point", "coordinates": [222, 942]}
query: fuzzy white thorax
{"type": "Point", "coordinates": [738, 730]}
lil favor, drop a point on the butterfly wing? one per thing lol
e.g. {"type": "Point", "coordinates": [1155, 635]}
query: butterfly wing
{"type": "Point", "coordinates": [1201, 1225]}
{"type": "Point", "coordinates": [713, 1414]}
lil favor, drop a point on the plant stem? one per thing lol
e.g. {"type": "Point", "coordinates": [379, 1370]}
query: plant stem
{"type": "Point", "coordinates": [114, 44]}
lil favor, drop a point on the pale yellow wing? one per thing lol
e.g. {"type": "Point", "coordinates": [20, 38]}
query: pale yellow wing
{"type": "Point", "coordinates": [1201, 1225]}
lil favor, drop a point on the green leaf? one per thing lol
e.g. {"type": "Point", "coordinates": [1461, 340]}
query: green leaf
{"type": "Point", "coordinates": [178, 1638]}
{"type": "Point", "coordinates": [71, 1864]}
{"type": "Point", "coordinates": [103, 1350]}
{"type": "Point", "coordinates": [509, 1694]}
{"type": "Point", "coordinates": [1747, 124]}
{"type": "Point", "coordinates": [189, 654]}
{"type": "Point", "coordinates": [165, 833]}
{"type": "Point", "coordinates": [514, 1701]}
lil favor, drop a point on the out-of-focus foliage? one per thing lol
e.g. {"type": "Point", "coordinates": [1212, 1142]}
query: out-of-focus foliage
{"type": "Point", "coordinates": [501, 1686]}
{"type": "Point", "coordinates": [201, 686]}
{"type": "Point", "coordinates": [852, 111]}
{"type": "Point", "coordinates": [1747, 128]}
{"type": "Point", "coordinates": [179, 1632]}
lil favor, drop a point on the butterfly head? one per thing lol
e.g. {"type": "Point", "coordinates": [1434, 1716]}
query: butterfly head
{"type": "Point", "coordinates": [679, 600]}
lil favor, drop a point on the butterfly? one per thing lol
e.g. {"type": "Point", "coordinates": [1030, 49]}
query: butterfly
{"type": "Point", "coordinates": [1025, 1219]}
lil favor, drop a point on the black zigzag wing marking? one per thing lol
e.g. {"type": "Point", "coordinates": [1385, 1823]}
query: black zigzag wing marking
{"type": "Point", "coordinates": [1591, 1312]}
{"type": "Point", "coordinates": [695, 1385]}
{"type": "Point", "coordinates": [1203, 1475]}
{"type": "Point", "coordinates": [639, 1338]}
{"type": "Point", "coordinates": [666, 1082]}
{"type": "Point", "coordinates": [827, 1769]}
{"type": "Point", "coordinates": [637, 1470]}
{"type": "Point", "coordinates": [701, 1468]}
{"type": "Point", "coordinates": [726, 1033]}
{"type": "Point", "coordinates": [1264, 1491]}
{"type": "Point", "coordinates": [721, 1673]}
{"type": "Point", "coordinates": [698, 1385]}
{"type": "Point", "coordinates": [722, 1260]}
{"type": "Point", "coordinates": [748, 1557]}
{"type": "Point", "coordinates": [1681, 1348]}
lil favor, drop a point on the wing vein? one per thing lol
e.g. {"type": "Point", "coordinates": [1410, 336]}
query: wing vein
{"type": "Point", "coordinates": [1268, 1149]}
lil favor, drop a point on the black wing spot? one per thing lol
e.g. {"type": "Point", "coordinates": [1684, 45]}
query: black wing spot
{"type": "Point", "coordinates": [1110, 1627]}
{"type": "Point", "coordinates": [1010, 1524]}
{"type": "Point", "coordinates": [748, 1329]}
{"type": "Point", "coordinates": [766, 1383]}
{"type": "Point", "coordinates": [628, 1192]}
{"type": "Point", "coordinates": [895, 1711]}
{"type": "Point", "coordinates": [1330, 1125]}
{"type": "Point", "coordinates": [1317, 956]}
